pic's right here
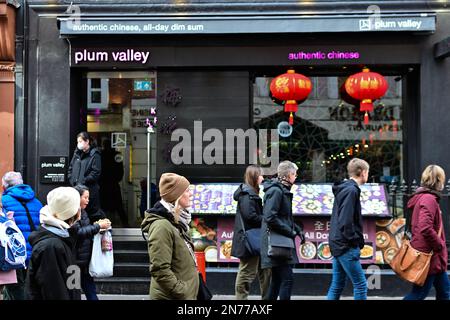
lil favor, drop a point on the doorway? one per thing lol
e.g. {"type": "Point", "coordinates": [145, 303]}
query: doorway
{"type": "Point", "coordinates": [119, 108]}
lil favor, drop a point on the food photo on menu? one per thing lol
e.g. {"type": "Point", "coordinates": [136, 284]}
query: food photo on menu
{"type": "Point", "coordinates": [388, 238]}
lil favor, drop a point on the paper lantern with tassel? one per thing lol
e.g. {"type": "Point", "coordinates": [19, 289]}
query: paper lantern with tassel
{"type": "Point", "coordinates": [290, 87]}
{"type": "Point", "coordinates": [366, 86]}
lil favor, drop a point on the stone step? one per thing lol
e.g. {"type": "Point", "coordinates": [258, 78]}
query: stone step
{"type": "Point", "coordinates": [129, 245]}
{"type": "Point", "coordinates": [123, 285]}
{"type": "Point", "coordinates": [137, 256]}
{"type": "Point", "coordinates": [131, 269]}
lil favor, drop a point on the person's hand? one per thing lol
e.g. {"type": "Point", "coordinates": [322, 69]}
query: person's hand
{"type": "Point", "coordinates": [104, 224]}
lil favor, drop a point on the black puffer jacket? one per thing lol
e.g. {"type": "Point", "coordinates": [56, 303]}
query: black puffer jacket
{"type": "Point", "coordinates": [250, 209]}
{"type": "Point", "coordinates": [48, 270]}
{"type": "Point", "coordinates": [84, 232]}
{"type": "Point", "coordinates": [277, 213]}
{"type": "Point", "coordinates": [85, 168]}
{"type": "Point", "coordinates": [346, 230]}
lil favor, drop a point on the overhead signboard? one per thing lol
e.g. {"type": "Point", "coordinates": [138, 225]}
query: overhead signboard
{"type": "Point", "coordinates": [415, 22]}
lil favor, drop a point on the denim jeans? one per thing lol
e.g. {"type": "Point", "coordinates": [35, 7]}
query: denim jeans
{"type": "Point", "coordinates": [88, 286]}
{"type": "Point", "coordinates": [439, 281]}
{"type": "Point", "coordinates": [348, 265]}
{"type": "Point", "coordinates": [281, 283]}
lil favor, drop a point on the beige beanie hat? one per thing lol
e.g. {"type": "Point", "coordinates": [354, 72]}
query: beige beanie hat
{"type": "Point", "coordinates": [172, 186]}
{"type": "Point", "coordinates": [63, 202]}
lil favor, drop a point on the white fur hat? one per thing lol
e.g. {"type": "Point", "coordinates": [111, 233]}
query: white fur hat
{"type": "Point", "coordinates": [63, 202]}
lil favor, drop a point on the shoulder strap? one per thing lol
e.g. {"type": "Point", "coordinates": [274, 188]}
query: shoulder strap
{"type": "Point", "coordinates": [30, 220]}
{"type": "Point", "coordinates": [408, 231]}
{"type": "Point", "coordinates": [240, 217]}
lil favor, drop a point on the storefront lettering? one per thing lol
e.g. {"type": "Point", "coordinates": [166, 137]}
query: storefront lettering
{"type": "Point", "coordinates": [351, 113]}
{"type": "Point", "coordinates": [52, 165]}
{"type": "Point", "coordinates": [128, 55]}
{"type": "Point", "coordinates": [373, 127]}
{"type": "Point", "coordinates": [227, 235]}
{"type": "Point", "coordinates": [320, 55]}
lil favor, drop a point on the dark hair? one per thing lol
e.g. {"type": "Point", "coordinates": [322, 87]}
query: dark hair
{"type": "Point", "coordinates": [251, 176]}
{"type": "Point", "coordinates": [86, 136]}
{"type": "Point", "coordinates": [81, 189]}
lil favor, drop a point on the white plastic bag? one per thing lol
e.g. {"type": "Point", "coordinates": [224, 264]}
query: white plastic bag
{"type": "Point", "coordinates": [102, 262]}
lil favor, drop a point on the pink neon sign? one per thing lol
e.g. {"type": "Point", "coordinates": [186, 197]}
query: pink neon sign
{"type": "Point", "coordinates": [321, 55]}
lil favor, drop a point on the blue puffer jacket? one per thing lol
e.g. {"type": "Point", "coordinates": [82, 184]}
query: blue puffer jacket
{"type": "Point", "coordinates": [11, 201]}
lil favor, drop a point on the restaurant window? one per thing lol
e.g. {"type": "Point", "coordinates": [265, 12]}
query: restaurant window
{"type": "Point", "coordinates": [328, 132]}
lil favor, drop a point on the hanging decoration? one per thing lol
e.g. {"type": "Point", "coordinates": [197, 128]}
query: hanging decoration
{"type": "Point", "coordinates": [366, 86]}
{"type": "Point", "coordinates": [290, 89]}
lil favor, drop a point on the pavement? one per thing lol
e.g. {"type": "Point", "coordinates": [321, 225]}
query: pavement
{"type": "Point", "coordinates": [229, 297]}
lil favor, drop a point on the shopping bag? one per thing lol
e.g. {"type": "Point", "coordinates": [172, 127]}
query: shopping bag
{"type": "Point", "coordinates": [102, 262]}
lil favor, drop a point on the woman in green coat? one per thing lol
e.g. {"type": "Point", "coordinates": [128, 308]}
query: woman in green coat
{"type": "Point", "coordinates": [173, 269]}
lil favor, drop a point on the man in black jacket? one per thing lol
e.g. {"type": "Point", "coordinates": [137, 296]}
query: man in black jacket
{"type": "Point", "coordinates": [346, 232]}
{"type": "Point", "coordinates": [52, 261]}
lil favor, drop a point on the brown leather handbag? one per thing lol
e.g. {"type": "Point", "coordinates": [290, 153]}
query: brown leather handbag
{"type": "Point", "coordinates": [410, 264]}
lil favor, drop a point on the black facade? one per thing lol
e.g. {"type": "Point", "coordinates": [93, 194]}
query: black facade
{"type": "Point", "coordinates": [49, 100]}
{"type": "Point", "coordinates": [215, 70]}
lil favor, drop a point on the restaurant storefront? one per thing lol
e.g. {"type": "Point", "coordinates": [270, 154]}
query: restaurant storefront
{"type": "Point", "coordinates": [7, 82]}
{"type": "Point", "coordinates": [116, 73]}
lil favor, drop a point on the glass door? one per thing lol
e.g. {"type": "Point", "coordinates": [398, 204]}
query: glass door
{"type": "Point", "coordinates": [120, 106]}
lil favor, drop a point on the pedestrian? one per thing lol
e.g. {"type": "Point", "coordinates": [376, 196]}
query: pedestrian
{"type": "Point", "coordinates": [277, 217]}
{"type": "Point", "coordinates": [110, 179]}
{"type": "Point", "coordinates": [84, 232]}
{"type": "Point", "coordinates": [85, 168]}
{"type": "Point", "coordinates": [6, 277]}
{"type": "Point", "coordinates": [346, 232]}
{"type": "Point", "coordinates": [52, 258]}
{"type": "Point", "coordinates": [20, 199]}
{"type": "Point", "coordinates": [249, 212]}
{"type": "Point", "coordinates": [426, 223]}
{"type": "Point", "coordinates": [172, 260]}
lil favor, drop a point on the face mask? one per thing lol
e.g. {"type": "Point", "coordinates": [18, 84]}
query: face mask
{"type": "Point", "coordinates": [80, 146]}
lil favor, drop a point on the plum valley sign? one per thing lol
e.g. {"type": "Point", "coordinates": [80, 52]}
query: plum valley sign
{"type": "Point", "coordinates": [109, 56]}
{"type": "Point", "coordinates": [415, 22]}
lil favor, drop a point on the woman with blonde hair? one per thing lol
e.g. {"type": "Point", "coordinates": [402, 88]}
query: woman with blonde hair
{"type": "Point", "coordinates": [173, 270]}
{"type": "Point", "coordinates": [428, 234]}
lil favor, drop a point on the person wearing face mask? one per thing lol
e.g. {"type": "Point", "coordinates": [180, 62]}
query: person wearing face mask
{"type": "Point", "coordinates": [52, 257]}
{"type": "Point", "coordinates": [173, 271]}
{"type": "Point", "coordinates": [248, 216]}
{"type": "Point", "coordinates": [85, 168]}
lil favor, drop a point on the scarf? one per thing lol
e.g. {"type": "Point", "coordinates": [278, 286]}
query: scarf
{"type": "Point", "coordinates": [285, 182]}
{"type": "Point", "coordinates": [183, 222]}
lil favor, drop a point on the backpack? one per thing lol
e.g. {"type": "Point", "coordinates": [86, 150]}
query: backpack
{"type": "Point", "coordinates": [13, 247]}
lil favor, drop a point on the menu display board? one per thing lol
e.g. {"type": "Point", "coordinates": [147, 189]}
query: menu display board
{"type": "Point", "coordinates": [389, 234]}
{"type": "Point", "coordinates": [225, 239]}
{"type": "Point", "coordinates": [311, 199]}
{"type": "Point", "coordinates": [203, 232]}
{"type": "Point", "coordinates": [308, 199]}
{"type": "Point", "coordinates": [214, 198]}
{"type": "Point", "coordinates": [316, 248]}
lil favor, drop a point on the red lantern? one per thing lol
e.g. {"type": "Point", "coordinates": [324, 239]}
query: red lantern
{"type": "Point", "coordinates": [366, 86]}
{"type": "Point", "coordinates": [290, 87]}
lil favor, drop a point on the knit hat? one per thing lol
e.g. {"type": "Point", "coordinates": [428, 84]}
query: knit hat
{"type": "Point", "coordinates": [172, 186]}
{"type": "Point", "coordinates": [63, 202]}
